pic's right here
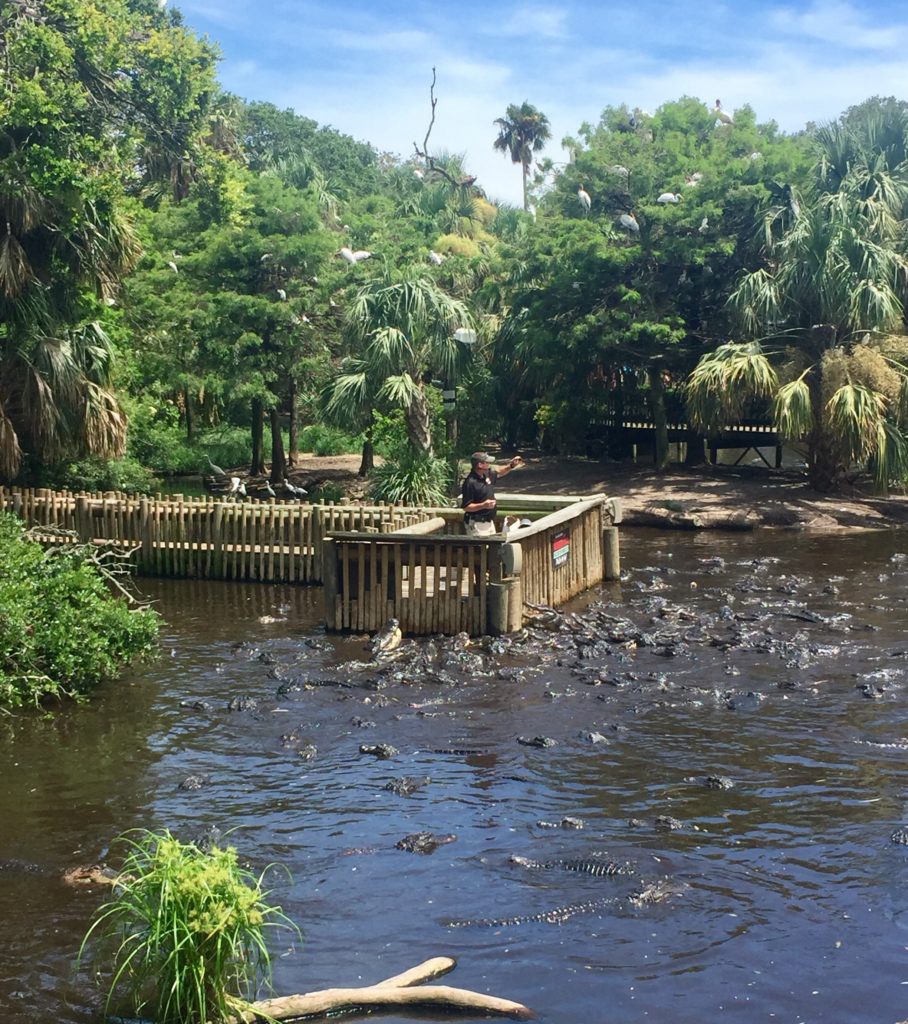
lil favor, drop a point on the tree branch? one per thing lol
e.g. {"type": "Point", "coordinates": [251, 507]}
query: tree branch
{"type": "Point", "coordinates": [430, 161]}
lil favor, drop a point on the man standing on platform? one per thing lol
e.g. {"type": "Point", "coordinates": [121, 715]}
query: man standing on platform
{"type": "Point", "coordinates": [478, 496]}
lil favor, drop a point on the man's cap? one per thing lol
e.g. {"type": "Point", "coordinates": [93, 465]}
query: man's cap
{"type": "Point", "coordinates": [481, 457]}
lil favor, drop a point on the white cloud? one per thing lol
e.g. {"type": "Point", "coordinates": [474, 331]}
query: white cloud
{"type": "Point", "coordinates": [840, 24]}
{"type": "Point", "coordinates": [537, 22]}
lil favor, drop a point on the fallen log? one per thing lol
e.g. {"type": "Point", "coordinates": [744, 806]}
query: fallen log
{"type": "Point", "coordinates": [397, 991]}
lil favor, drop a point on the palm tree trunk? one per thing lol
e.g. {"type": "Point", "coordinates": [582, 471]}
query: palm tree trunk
{"type": "Point", "coordinates": [419, 424]}
{"type": "Point", "coordinates": [822, 461]}
{"type": "Point", "coordinates": [257, 466]}
{"type": "Point", "coordinates": [526, 205]}
{"type": "Point", "coordinates": [367, 461]}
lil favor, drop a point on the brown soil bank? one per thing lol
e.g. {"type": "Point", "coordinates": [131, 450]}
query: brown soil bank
{"type": "Point", "coordinates": [718, 497]}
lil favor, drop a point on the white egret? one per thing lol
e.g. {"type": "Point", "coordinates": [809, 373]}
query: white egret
{"type": "Point", "coordinates": [669, 197]}
{"type": "Point", "coordinates": [436, 257]}
{"type": "Point", "coordinates": [173, 266]}
{"type": "Point", "coordinates": [619, 170]}
{"type": "Point", "coordinates": [214, 468]}
{"type": "Point", "coordinates": [704, 226]}
{"type": "Point", "coordinates": [282, 295]}
{"type": "Point", "coordinates": [629, 221]}
{"type": "Point", "coordinates": [354, 257]}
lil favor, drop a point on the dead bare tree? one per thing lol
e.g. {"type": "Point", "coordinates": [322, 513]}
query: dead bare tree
{"type": "Point", "coordinates": [431, 162]}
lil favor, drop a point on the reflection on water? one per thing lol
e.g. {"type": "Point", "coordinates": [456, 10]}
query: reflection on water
{"type": "Point", "coordinates": [748, 687]}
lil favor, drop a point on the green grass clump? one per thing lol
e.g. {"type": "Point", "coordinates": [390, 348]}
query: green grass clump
{"type": "Point", "coordinates": [62, 631]}
{"type": "Point", "coordinates": [186, 928]}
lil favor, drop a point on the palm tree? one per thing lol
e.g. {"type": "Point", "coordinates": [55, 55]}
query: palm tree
{"type": "Point", "coordinates": [835, 278]}
{"type": "Point", "coordinates": [403, 332]}
{"type": "Point", "coordinates": [523, 131]}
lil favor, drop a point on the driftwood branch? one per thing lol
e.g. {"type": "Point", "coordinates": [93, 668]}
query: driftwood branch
{"type": "Point", "coordinates": [400, 990]}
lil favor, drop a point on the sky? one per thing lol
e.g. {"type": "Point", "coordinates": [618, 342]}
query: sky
{"type": "Point", "coordinates": [364, 67]}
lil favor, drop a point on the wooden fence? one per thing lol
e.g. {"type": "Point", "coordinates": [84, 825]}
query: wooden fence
{"type": "Point", "coordinates": [202, 537]}
{"type": "Point", "coordinates": [447, 582]}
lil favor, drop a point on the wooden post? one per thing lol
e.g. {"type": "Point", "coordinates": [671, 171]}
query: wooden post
{"type": "Point", "coordinates": [329, 581]}
{"type": "Point", "coordinates": [83, 519]}
{"type": "Point", "coordinates": [497, 600]}
{"type": "Point", "coordinates": [217, 541]}
{"type": "Point", "coordinates": [611, 555]}
{"type": "Point", "coordinates": [146, 554]}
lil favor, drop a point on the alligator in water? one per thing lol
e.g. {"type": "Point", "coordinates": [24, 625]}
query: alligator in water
{"type": "Point", "coordinates": [423, 842]}
{"type": "Point", "coordinates": [558, 915]}
{"type": "Point", "coordinates": [600, 868]}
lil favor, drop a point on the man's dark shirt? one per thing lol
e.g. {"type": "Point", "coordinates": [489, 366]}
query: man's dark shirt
{"type": "Point", "coordinates": [478, 487]}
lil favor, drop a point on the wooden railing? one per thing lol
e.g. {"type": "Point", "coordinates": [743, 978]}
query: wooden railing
{"type": "Point", "coordinates": [202, 537]}
{"type": "Point", "coordinates": [447, 582]}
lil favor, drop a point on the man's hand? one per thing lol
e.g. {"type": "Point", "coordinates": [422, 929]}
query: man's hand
{"type": "Point", "coordinates": [515, 462]}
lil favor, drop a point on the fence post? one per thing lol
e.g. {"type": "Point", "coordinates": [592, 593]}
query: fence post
{"type": "Point", "coordinates": [146, 554]}
{"type": "Point", "coordinates": [611, 555]}
{"type": "Point", "coordinates": [328, 560]}
{"type": "Point", "coordinates": [217, 541]}
{"type": "Point", "coordinates": [83, 518]}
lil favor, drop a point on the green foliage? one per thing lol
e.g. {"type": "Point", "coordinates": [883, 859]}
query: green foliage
{"type": "Point", "coordinates": [96, 474]}
{"type": "Point", "coordinates": [325, 440]}
{"type": "Point", "coordinates": [187, 931]}
{"type": "Point", "coordinates": [414, 478]}
{"type": "Point", "coordinates": [61, 631]}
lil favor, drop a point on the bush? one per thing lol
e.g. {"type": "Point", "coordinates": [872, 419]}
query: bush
{"type": "Point", "coordinates": [96, 474]}
{"type": "Point", "coordinates": [61, 630]}
{"type": "Point", "coordinates": [324, 440]}
{"type": "Point", "coordinates": [412, 479]}
{"type": "Point", "coordinates": [187, 931]}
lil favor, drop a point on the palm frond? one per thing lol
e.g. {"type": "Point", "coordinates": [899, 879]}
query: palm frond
{"type": "Point", "coordinates": [792, 409]}
{"type": "Point", "coordinates": [856, 415]}
{"type": "Point", "coordinates": [400, 389]}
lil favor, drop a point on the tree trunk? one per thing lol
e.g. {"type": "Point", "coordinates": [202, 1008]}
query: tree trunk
{"type": "Point", "coordinates": [278, 459]}
{"type": "Point", "coordinates": [419, 424]}
{"type": "Point", "coordinates": [257, 466]}
{"type": "Point", "coordinates": [367, 462]}
{"type": "Point", "coordinates": [660, 418]}
{"type": "Point", "coordinates": [526, 205]}
{"type": "Point", "coordinates": [293, 426]}
{"type": "Point", "coordinates": [190, 415]}
{"type": "Point", "coordinates": [695, 455]}
{"type": "Point", "coordinates": [823, 464]}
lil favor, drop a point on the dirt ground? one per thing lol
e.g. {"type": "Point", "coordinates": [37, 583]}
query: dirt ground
{"type": "Point", "coordinates": [718, 497]}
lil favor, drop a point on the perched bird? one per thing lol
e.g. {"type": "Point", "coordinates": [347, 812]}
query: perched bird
{"type": "Point", "coordinates": [417, 173]}
{"type": "Point", "coordinates": [585, 200]}
{"type": "Point", "coordinates": [293, 490]}
{"type": "Point", "coordinates": [629, 221]}
{"type": "Point", "coordinates": [237, 487]}
{"type": "Point", "coordinates": [268, 489]}
{"type": "Point", "coordinates": [619, 170]}
{"type": "Point", "coordinates": [173, 266]}
{"type": "Point", "coordinates": [282, 295]}
{"type": "Point", "coordinates": [510, 523]}
{"type": "Point", "coordinates": [704, 226]}
{"type": "Point", "coordinates": [354, 257]}
{"type": "Point", "coordinates": [436, 257]}
{"type": "Point", "coordinates": [721, 115]}
{"type": "Point", "coordinates": [691, 180]}
{"type": "Point", "coordinates": [214, 468]}
{"type": "Point", "coordinates": [669, 197]}
{"type": "Point", "coordinates": [756, 155]}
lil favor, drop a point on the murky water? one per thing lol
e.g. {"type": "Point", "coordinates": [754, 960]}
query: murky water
{"type": "Point", "coordinates": [777, 662]}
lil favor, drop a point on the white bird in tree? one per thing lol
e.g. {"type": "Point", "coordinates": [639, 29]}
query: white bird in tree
{"type": "Point", "coordinates": [629, 221]}
{"type": "Point", "coordinates": [721, 115]}
{"type": "Point", "coordinates": [692, 180]}
{"type": "Point", "coordinates": [354, 257]}
{"type": "Point", "coordinates": [436, 257]}
{"type": "Point", "coordinates": [704, 226]}
{"type": "Point", "coordinates": [282, 295]}
{"type": "Point", "coordinates": [669, 197]}
{"type": "Point", "coordinates": [173, 266]}
{"type": "Point", "coordinates": [585, 199]}
{"type": "Point", "coordinates": [619, 170]}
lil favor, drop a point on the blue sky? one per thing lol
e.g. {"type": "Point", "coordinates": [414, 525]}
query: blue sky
{"type": "Point", "coordinates": [365, 67]}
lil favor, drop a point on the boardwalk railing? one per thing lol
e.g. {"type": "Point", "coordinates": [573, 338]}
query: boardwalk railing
{"type": "Point", "coordinates": [447, 582]}
{"type": "Point", "coordinates": [202, 537]}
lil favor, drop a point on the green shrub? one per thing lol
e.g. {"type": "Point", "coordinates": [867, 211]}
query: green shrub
{"type": "Point", "coordinates": [61, 630]}
{"type": "Point", "coordinates": [185, 932]}
{"type": "Point", "coordinates": [324, 440]}
{"type": "Point", "coordinates": [96, 474]}
{"type": "Point", "coordinates": [412, 480]}
{"type": "Point", "coordinates": [327, 492]}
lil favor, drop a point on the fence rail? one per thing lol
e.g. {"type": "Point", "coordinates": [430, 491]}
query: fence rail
{"type": "Point", "coordinates": [202, 537]}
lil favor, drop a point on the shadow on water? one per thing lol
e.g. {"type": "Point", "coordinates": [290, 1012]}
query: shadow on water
{"type": "Point", "coordinates": [727, 722]}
